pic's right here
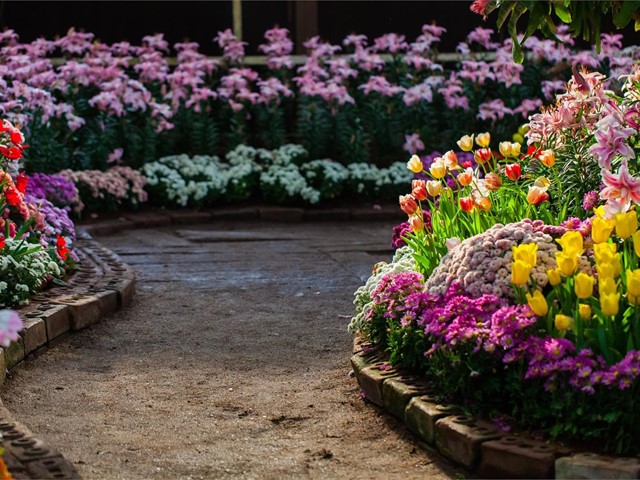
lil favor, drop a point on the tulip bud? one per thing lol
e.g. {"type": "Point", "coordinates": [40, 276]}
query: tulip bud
{"type": "Point", "coordinates": [450, 160]}
{"type": "Point", "coordinates": [505, 148]}
{"type": "Point", "coordinates": [434, 187]}
{"type": "Point", "coordinates": [513, 171]}
{"type": "Point", "coordinates": [563, 322]}
{"type": "Point", "coordinates": [484, 203]}
{"type": "Point", "coordinates": [626, 224]}
{"type": "Point", "coordinates": [583, 285]}
{"type": "Point", "coordinates": [492, 182]}
{"type": "Point", "coordinates": [585, 311]}
{"type": "Point", "coordinates": [466, 143]}
{"type": "Point", "coordinates": [416, 222]}
{"type": "Point", "coordinates": [466, 204]}
{"type": "Point", "coordinates": [537, 195]}
{"type": "Point", "coordinates": [554, 277]}
{"type": "Point", "coordinates": [482, 156]}
{"type": "Point", "coordinates": [483, 139]}
{"type": "Point", "coordinates": [465, 178]}
{"type": "Point", "coordinates": [419, 189]}
{"type": "Point", "coordinates": [438, 169]}
{"type": "Point", "coordinates": [515, 149]}
{"type": "Point", "coordinates": [520, 272]}
{"type": "Point", "coordinates": [548, 158]}
{"type": "Point", "coordinates": [601, 229]}
{"type": "Point", "coordinates": [415, 164]}
{"type": "Point", "coordinates": [609, 304]}
{"type": "Point", "coordinates": [408, 204]}
{"type": "Point", "coordinates": [538, 303]}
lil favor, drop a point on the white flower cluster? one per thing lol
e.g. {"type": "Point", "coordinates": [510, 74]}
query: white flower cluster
{"type": "Point", "coordinates": [186, 180]}
{"type": "Point", "coordinates": [402, 261]}
{"type": "Point", "coordinates": [366, 178]}
{"type": "Point", "coordinates": [24, 268]}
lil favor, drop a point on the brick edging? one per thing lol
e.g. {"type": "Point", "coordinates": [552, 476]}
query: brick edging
{"type": "Point", "coordinates": [471, 443]}
{"type": "Point", "coordinates": [102, 285]}
{"type": "Point", "coordinates": [160, 218]}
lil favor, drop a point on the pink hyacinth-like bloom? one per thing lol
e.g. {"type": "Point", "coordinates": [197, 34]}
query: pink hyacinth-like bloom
{"type": "Point", "coordinates": [493, 110]}
{"type": "Point", "coordinates": [611, 140]}
{"type": "Point", "coordinates": [10, 325]}
{"type": "Point", "coordinates": [621, 187]}
{"type": "Point", "coordinates": [590, 200]}
{"type": "Point", "coordinates": [413, 144]}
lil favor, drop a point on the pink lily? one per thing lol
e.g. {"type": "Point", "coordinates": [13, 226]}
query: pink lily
{"type": "Point", "coordinates": [623, 187]}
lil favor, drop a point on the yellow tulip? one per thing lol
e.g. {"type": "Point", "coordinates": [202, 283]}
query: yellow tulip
{"type": "Point", "coordinates": [633, 282]}
{"type": "Point", "coordinates": [542, 182]}
{"type": "Point", "coordinates": [520, 272]}
{"type": "Point", "coordinates": [636, 242]}
{"type": "Point", "coordinates": [483, 139]}
{"type": "Point", "coordinates": [571, 243]}
{"type": "Point", "coordinates": [607, 286]}
{"type": "Point", "coordinates": [415, 164]}
{"type": "Point", "coordinates": [583, 285]}
{"type": "Point", "coordinates": [554, 277]}
{"type": "Point", "coordinates": [438, 169]}
{"type": "Point", "coordinates": [601, 229]}
{"type": "Point", "coordinates": [527, 253]}
{"type": "Point", "coordinates": [563, 322]}
{"type": "Point", "coordinates": [538, 303]}
{"type": "Point", "coordinates": [566, 263]}
{"type": "Point", "coordinates": [434, 187]}
{"type": "Point", "coordinates": [606, 270]}
{"type": "Point", "coordinates": [585, 311]}
{"type": "Point", "coordinates": [600, 212]}
{"type": "Point", "coordinates": [515, 149]}
{"type": "Point", "coordinates": [609, 304]}
{"type": "Point", "coordinates": [633, 300]}
{"type": "Point", "coordinates": [466, 143]}
{"type": "Point", "coordinates": [604, 252]}
{"type": "Point", "coordinates": [626, 224]}
{"type": "Point", "coordinates": [505, 148]}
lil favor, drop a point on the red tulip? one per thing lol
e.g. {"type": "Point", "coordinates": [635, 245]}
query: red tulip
{"type": "Point", "coordinates": [419, 189]}
{"type": "Point", "coordinates": [408, 204]}
{"type": "Point", "coordinates": [513, 171]}
{"type": "Point", "coordinates": [21, 182]}
{"type": "Point", "coordinates": [466, 204]}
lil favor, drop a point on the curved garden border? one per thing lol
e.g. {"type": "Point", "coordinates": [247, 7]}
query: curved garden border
{"type": "Point", "coordinates": [104, 284]}
{"type": "Point", "coordinates": [474, 444]}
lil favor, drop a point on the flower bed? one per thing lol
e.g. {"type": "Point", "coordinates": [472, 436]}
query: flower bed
{"type": "Point", "coordinates": [517, 293]}
{"type": "Point", "coordinates": [364, 100]}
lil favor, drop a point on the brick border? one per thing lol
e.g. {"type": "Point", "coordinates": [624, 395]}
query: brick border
{"type": "Point", "coordinates": [101, 285]}
{"type": "Point", "coordinates": [471, 443]}
{"type": "Point", "coordinates": [160, 218]}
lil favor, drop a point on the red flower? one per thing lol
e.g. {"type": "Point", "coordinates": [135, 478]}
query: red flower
{"type": "Point", "coordinates": [479, 6]}
{"type": "Point", "coordinates": [419, 189]}
{"type": "Point", "coordinates": [2, 241]}
{"type": "Point", "coordinates": [61, 247]}
{"type": "Point", "coordinates": [13, 196]}
{"type": "Point", "coordinates": [3, 126]}
{"type": "Point", "coordinates": [466, 204]}
{"type": "Point", "coordinates": [513, 171]}
{"type": "Point", "coordinates": [16, 136]}
{"type": "Point", "coordinates": [482, 156]}
{"type": "Point", "coordinates": [12, 153]}
{"type": "Point", "coordinates": [408, 204]}
{"type": "Point", "coordinates": [21, 182]}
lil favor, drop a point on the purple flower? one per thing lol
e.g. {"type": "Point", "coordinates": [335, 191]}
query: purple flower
{"type": "Point", "coordinates": [590, 200]}
{"type": "Point", "coordinates": [399, 231]}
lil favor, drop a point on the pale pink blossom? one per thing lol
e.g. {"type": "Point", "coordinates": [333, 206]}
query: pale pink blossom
{"type": "Point", "coordinates": [413, 144]}
{"type": "Point", "coordinates": [10, 325]}
{"type": "Point", "coordinates": [621, 187]}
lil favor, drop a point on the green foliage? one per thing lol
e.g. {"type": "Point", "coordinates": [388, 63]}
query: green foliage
{"type": "Point", "coordinates": [314, 126]}
{"type": "Point", "coordinates": [583, 17]}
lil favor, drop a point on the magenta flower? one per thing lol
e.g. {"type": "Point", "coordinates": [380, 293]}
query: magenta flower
{"type": "Point", "coordinates": [621, 187]}
{"type": "Point", "coordinates": [10, 325]}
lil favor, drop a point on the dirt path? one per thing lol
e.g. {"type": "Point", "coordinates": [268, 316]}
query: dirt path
{"type": "Point", "coordinates": [232, 362]}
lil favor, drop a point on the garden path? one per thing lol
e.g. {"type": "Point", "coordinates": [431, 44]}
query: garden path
{"type": "Point", "coordinates": [231, 362]}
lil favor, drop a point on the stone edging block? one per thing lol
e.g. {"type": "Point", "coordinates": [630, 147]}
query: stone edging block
{"type": "Point", "coordinates": [101, 285]}
{"type": "Point", "coordinates": [474, 444]}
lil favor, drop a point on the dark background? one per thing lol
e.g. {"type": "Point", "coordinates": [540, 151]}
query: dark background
{"type": "Point", "coordinates": [199, 21]}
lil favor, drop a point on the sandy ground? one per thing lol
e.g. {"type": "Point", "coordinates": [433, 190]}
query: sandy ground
{"type": "Point", "coordinates": [232, 362]}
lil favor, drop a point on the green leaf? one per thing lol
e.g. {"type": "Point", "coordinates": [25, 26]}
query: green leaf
{"type": "Point", "coordinates": [504, 12]}
{"type": "Point", "coordinates": [623, 15]}
{"type": "Point", "coordinates": [562, 12]}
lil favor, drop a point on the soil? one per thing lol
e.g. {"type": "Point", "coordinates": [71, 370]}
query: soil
{"type": "Point", "coordinates": [233, 361]}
